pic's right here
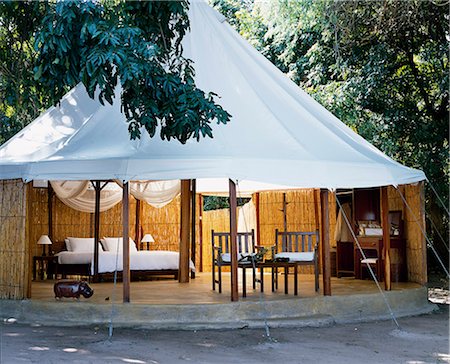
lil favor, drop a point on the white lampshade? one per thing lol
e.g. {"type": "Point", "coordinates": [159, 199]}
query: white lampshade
{"type": "Point", "coordinates": [148, 238]}
{"type": "Point", "coordinates": [44, 240]}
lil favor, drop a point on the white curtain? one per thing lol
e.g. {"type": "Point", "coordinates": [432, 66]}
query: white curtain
{"type": "Point", "coordinates": [78, 195]}
{"type": "Point", "coordinates": [247, 218]}
{"type": "Point", "coordinates": [157, 193]}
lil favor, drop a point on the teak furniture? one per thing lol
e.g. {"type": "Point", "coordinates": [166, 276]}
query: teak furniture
{"type": "Point", "coordinates": [274, 266]}
{"type": "Point", "coordinates": [43, 262]}
{"type": "Point", "coordinates": [221, 253]}
{"type": "Point", "coordinates": [300, 247]}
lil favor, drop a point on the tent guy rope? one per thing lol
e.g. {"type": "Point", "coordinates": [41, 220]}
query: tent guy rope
{"type": "Point", "coordinates": [368, 265]}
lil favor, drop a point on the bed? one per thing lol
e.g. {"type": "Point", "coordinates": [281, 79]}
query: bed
{"type": "Point", "coordinates": [78, 259]}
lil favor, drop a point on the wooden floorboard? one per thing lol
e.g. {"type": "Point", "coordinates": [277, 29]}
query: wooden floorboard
{"type": "Point", "coordinates": [199, 290]}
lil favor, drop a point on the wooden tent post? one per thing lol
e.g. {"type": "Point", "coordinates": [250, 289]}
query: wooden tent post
{"type": "Point", "coordinates": [97, 190]}
{"type": "Point", "coordinates": [126, 243]}
{"type": "Point", "coordinates": [200, 231]}
{"type": "Point", "coordinates": [326, 266]}
{"type": "Point", "coordinates": [183, 276]}
{"type": "Point", "coordinates": [316, 193]}
{"type": "Point", "coordinates": [386, 238]}
{"type": "Point", "coordinates": [233, 241]}
{"type": "Point", "coordinates": [50, 193]}
{"type": "Point", "coordinates": [138, 227]}
{"type": "Point", "coordinates": [258, 218]}
{"type": "Point", "coordinates": [193, 222]}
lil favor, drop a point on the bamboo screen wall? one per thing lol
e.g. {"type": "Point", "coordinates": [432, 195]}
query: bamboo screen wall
{"type": "Point", "coordinates": [414, 223]}
{"type": "Point", "coordinates": [301, 217]}
{"type": "Point", "coordinates": [14, 249]}
{"type": "Point", "coordinates": [162, 223]}
{"type": "Point", "coordinates": [24, 218]}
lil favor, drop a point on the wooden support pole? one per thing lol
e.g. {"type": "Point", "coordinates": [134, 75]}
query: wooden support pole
{"type": "Point", "coordinates": [386, 237]}
{"type": "Point", "coordinates": [50, 213]}
{"type": "Point", "coordinates": [126, 242]}
{"type": "Point", "coordinates": [97, 190]}
{"type": "Point", "coordinates": [183, 276]}
{"type": "Point", "coordinates": [138, 228]}
{"type": "Point", "coordinates": [326, 265]}
{"type": "Point", "coordinates": [258, 218]}
{"type": "Point", "coordinates": [233, 241]}
{"type": "Point", "coordinates": [200, 231]}
{"type": "Point", "coordinates": [316, 207]}
{"type": "Point", "coordinates": [193, 222]}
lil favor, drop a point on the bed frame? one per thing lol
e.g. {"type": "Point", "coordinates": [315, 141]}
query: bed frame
{"type": "Point", "coordinates": [84, 270]}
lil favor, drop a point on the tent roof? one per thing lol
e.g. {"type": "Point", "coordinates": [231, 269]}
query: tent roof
{"type": "Point", "coordinates": [278, 134]}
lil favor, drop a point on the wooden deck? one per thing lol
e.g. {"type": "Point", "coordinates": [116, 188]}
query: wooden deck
{"type": "Point", "coordinates": [199, 290]}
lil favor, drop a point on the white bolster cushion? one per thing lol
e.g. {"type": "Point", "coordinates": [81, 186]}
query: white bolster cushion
{"type": "Point", "coordinates": [81, 244]}
{"type": "Point", "coordinates": [111, 244]}
{"type": "Point", "coordinates": [297, 257]}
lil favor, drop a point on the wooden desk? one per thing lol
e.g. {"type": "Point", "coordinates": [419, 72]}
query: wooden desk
{"type": "Point", "coordinates": [345, 259]}
{"type": "Point", "coordinates": [372, 247]}
{"type": "Point", "coordinates": [274, 267]}
{"type": "Point", "coordinates": [43, 264]}
{"type": "Point", "coordinates": [397, 254]}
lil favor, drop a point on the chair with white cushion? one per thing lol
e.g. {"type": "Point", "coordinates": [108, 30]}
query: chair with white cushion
{"type": "Point", "coordinates": [221, 249]}
{"type": "Point", "coordinates": [300, 247]}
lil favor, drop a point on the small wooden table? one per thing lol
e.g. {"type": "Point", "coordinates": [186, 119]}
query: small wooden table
{"type": "Point", "coordinates": [274, 265]}
{"type": "Point", "coordinates": [43, 262]}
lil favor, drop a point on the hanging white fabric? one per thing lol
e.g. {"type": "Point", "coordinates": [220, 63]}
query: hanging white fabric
{"type": "Point", "coordinates": [247, 218]}
{"type": "Point", "coordinates": [77, 195]}
{"type": "Point", "coordinates": [156, 193]}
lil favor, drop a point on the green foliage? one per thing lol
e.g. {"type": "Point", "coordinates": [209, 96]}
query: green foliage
{"type": "Point", "coordinates": [136, 44]}
{"type": "Point", "coordinates": [219, 202]}
{"type": "Point", "coordinates": [20, 99]}
{"type": "Point", "coordinates": [379, 66]}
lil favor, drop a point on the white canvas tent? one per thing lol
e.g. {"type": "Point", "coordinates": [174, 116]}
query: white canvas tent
{"type": "Point", "coordinates": [278, 134]}
{"type": "Point", "coordinates": [279, 137]}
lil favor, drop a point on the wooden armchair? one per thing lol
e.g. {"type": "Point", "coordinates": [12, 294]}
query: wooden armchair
{"type": "Point", "coordinates": [221, 256]}
{"type": "Point", "coordinates": [300, 247]}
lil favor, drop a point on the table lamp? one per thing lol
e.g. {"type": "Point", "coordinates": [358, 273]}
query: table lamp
{"type": "Point", "coordinates": [148, 238]}
{"type": "Point", "coordinates": [44, 240]}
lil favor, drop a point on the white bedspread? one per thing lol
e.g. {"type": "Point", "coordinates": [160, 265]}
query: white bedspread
{"type": "Point", "coordinates": [66, 257]}
{"type": "Point", "coordinates": [140, 260]}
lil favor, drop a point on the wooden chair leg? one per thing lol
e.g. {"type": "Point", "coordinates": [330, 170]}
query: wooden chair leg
{"type": "Point", "coordinates": [316, 274]}
{"type": "Point", "coordinates": [254, 277]}
{"type": "Point", "coordinates": [213, 276]}
{"type": "Point", "coordinates": [220, 278]}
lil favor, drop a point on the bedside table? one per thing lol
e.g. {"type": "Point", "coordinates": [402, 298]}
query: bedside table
{"type": "Point", "coordinates": [43, 264]}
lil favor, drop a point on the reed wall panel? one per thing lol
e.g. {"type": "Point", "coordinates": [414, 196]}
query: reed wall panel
{"type": "Point", "coordinates": [217, 220]}
{"type": "Point", "coordinates": [164, 223]}
{"type": "Point", "coordinates": [300, 215]}
{"type": "Point", "coordinates": [14, 248]}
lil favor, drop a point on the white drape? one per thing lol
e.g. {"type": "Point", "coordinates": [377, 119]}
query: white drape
{"type": "Point", "coordinates": [247, 218]}
{"type": "Point", "coordinates": [156, 193]}
{"type": "Point", "coordinates": [77, 195]}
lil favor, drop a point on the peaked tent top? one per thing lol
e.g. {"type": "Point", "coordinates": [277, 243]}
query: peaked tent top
{"type": "Point", "coordinates": [278, 134]}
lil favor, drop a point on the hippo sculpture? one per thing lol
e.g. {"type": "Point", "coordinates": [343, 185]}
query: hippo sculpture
{"type": "Point", "coordinates": [72, 289]}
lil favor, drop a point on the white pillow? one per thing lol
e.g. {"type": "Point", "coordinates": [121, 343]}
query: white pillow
{"type": "Point", "coordinates": [111, 244]}
{"type": "Point", "coordinates": [68, 246]}
{"type": "Point", "coordinates": [82, 244]}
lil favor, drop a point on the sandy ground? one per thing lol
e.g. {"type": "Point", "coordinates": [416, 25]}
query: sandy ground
{"type": "Point", "coordinates": [421, 339]}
